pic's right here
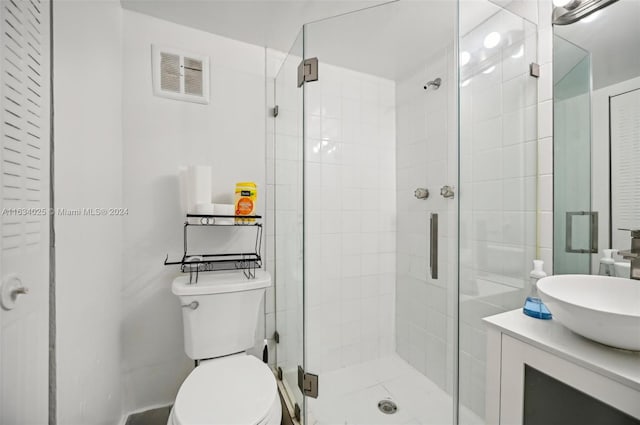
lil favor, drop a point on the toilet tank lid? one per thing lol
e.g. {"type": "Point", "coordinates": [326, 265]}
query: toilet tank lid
{"type": "Point", "coordinates": [220, 282]}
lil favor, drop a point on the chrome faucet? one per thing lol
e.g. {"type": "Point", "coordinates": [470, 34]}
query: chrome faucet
{"type": "Point", "coordinates": [633, 254]}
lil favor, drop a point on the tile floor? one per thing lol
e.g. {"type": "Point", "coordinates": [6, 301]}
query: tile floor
{"type": "Point", "coordinates": [350, 396]}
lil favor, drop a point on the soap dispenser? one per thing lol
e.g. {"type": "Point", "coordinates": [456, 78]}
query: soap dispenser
{"type": "Point", "coordinates": [533, 305]}
{"type": "Point", "coordinates": [607, 263]}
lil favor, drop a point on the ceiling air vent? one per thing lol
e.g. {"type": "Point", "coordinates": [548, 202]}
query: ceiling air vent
{"type": "Point", "coordinates": [179, 75]}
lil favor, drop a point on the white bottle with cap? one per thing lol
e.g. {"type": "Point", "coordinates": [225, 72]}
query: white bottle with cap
{"type": "Point", "coordinates": [533, 305]}
{"type": "Point", "coordinates": [607, 263]}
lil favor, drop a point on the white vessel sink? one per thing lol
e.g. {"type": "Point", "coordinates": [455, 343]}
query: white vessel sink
{"type": "Point", "coordinates": [604, 309]}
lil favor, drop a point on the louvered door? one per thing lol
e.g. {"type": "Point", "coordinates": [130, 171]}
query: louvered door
{"type": "Point", "coordinates": [24, 177]}
{"type": "Point", "coordinates": [625, 166]}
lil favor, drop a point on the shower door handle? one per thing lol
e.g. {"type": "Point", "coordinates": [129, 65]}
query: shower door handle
{"type": "Point", "coordinates": [593, 232]}
{"type": "Point", "coordinates": [433, 252]}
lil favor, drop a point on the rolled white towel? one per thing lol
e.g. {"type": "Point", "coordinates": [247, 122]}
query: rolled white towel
{"type": "Point", "coordinates": [198, 186]}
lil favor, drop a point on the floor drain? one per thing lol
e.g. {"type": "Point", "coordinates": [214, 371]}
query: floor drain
{"type": "Point", "coordinates": [387, 407]}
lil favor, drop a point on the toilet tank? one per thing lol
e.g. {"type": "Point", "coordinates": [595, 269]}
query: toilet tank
{"type": "Point", "coordinates": [220, 311]}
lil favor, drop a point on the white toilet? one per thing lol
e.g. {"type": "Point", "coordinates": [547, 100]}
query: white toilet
{"type": "Point", "coordinates": [220, 315]}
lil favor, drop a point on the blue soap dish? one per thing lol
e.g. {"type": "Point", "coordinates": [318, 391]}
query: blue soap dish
{"type": "Point", "coordinates": [534, 307]}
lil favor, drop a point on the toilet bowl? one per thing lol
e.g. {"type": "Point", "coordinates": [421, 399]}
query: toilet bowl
{"type": "Point", "coordinates": [229, 387]}
{"type": "Point", "coordinates": [238, 389]}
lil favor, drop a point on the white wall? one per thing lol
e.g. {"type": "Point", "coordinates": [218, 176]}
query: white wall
{"type": "Point", "coordinates": [159, 136]}
{"type": "Point", "coordinates": [88, 173]}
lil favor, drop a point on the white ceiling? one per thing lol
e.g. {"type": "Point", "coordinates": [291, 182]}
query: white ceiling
{"type": "Point", "coordinates": [392, 41]}
{"type": "Point", "coordinates": [389, 41]}
{"type": "Point", "coordinates": [613, 39]}
{"type": "Point", "coordinates": [270, 23]}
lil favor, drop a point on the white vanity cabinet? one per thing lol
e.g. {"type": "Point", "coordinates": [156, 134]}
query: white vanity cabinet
{"type": "Point", "coordinates": [539, 372]}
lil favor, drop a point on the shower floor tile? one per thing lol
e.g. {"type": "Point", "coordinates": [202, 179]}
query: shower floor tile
{"type": "Point", "coordinates": [350, 396]}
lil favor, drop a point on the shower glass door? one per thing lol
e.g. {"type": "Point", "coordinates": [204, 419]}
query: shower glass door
{"type": "Point", "coordinates": [359, 303]}
{"type": "Point", "coordinates": [288, 221]}
{"type": "Point", "coordinates": [498, 182]}
{"type": "Point", "coordinates": [572, 224]}
{"type": "Point", "coordinates": [379, 123]}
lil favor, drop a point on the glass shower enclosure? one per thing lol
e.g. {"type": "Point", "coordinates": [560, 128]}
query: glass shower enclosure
{"type": "Point", "coordinates": [383, 175]}
{"type": "Point", "coordinates": [575, 224]}
{"type": "Point", "coordinates": [288, 238]}
{"type": "Point", "coordinates": [498, 182]}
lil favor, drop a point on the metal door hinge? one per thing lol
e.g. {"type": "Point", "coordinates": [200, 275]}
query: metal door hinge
{"type": "Point", "coordinates": [276, 337]}
{"type": "Point", "coordinates": [534, 69]}
{"type": "Point", "coordinates": [296, 412]}
{"type": "Point", "coordinates": [276, 110]}
{"type": "Point", "coordinates": [308, 383]}
{"type": "Point", "coordinates": [307, 71]}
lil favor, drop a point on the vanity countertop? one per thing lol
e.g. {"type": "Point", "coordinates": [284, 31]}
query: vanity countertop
{"type": "Point", "coordinates": [549, 335]}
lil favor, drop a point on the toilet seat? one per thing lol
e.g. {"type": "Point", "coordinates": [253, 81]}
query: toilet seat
{"type": "Point", "coordinates": [230, 390]}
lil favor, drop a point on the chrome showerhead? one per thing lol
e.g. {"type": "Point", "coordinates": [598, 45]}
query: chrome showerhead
{"type": "Point", "coordinates": [434, 84]}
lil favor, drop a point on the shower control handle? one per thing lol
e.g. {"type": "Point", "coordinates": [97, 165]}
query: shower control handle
{"type": "Point", "coordinates": [421, 193]}
{"type": "Point", "coordinates": [433, 246]}
{"type": "Point", "coordinates": [447, 192]}
{"type": "Point", "coordinates": [193, 305]}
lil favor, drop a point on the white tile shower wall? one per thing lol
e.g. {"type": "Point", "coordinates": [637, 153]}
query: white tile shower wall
{"type": "Point", "coordinates": [88, 173]}
{"type": "Point", "coordinates": [540, 13]}
{"type": "Point", "coordinates": [472, 340]}
{"type": "Point", "coordinates": [499, 147]}
{"type": "Point", "coordinates": [545, 133]}
{"type": "Point", "coordinates": [350, 221]}
{"type": "Point", "coordinates": [159, 136]}
{"type": "Point", "coordinates": [426, 157]}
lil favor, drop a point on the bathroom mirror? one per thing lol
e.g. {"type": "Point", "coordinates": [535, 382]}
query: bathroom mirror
{"type": "Point", "coordinates": [596, 83]}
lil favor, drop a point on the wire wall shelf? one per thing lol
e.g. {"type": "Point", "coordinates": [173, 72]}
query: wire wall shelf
{"type": "Point", "coordinates": [194, 264]}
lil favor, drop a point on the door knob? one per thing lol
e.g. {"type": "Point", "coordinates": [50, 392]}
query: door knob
{"type": "Point", "coordinates": [22, 290]}
{"type": "Point", "coordinates": [12, 288]}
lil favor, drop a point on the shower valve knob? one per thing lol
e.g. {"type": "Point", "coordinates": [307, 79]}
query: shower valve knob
{"type": "Point", "coordinates": [447, 192]}
{"type": "Point", "coordinates": [421, 193]}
